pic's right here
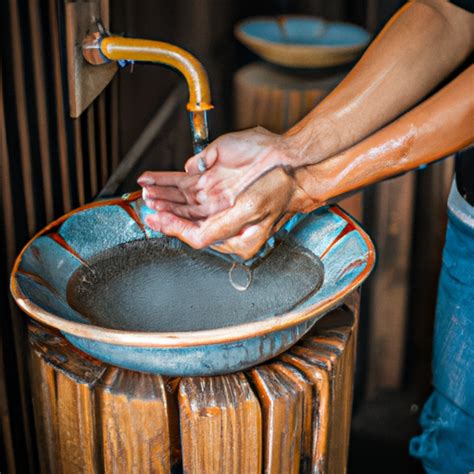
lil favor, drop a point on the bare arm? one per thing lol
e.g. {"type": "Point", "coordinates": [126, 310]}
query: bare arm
{"type": "Point", "coordinates": [418, 47]}
{"type": "Point", "coordinates": [421, 44]}
{"type": "Point", "coordinates": [436, 128]}
{"type": "Point", "coordinates": [441, 125]}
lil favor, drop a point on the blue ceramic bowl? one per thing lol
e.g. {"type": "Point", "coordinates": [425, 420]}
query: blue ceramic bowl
{"type": "Point", "coordinates": [49, 261]}
{"type": "Point", "coordinates": [302, 41]}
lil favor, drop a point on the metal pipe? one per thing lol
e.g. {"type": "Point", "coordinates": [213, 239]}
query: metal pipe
{"type": "Point", "coordinates": [99, 49]}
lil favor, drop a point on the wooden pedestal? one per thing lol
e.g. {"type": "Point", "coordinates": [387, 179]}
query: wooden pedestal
{"type": "Point", "coordinates": [276, 98]}
{"type": "Point", "coordinates": [289, 415]}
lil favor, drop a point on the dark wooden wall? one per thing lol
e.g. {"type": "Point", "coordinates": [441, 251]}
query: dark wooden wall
{"type": "Point", "coordinates": [49, 164]}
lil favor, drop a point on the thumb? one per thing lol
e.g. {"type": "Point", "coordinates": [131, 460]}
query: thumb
{"type": "Point", "coordinates": [201, 162]}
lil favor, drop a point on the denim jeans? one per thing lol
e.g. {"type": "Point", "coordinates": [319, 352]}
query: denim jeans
{"type": "Point", "coordinates": [446, 444]}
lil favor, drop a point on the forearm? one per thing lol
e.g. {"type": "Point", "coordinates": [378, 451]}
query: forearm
{"type": "Point", "coordinates": [436, 128]}
{"type": "Point", "coordinates": [418, 47]}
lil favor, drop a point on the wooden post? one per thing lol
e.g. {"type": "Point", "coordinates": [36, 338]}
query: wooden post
{"type": "Point", "coordinates": [290, 415]}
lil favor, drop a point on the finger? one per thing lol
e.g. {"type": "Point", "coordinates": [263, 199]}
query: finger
{"type": "Point", "coordinates": [192, 212]}
{"type": "Point", "coordinates": [175, 226]}
{"type": "Point", "coordinates": [161, 178]}
{"type": "Point", "coordinates": [203, 233]}
{"type": "Point", "coordinates": [250, 241]}
{"type": "Point", "coordinates": [168, 193]}
{"type": "Point", "coordinates": [189, 210]}
{"type": "Point", "coordinates": [202, 161]}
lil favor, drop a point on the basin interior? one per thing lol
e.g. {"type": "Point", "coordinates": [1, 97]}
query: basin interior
{"type": "Point", "coordinates": [156, 285]}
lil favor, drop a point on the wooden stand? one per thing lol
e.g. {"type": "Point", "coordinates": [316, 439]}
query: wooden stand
{"type": "Point", "coordinates": [289, 415]}
{"type": "Point", "coordinates": [276, 98]}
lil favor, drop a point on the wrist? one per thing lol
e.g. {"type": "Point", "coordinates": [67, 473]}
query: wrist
{"type": "Point", "coordinates": [312, 140]}
{"type": "Point", "coordinates": [305, 197]}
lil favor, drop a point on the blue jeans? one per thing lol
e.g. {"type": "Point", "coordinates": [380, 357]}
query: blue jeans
{"type": "Point", "coordinates": [446, 444]}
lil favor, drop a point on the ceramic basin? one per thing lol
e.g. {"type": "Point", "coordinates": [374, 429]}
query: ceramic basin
{"type": "Point", "coordinates": [301, 41]}
{"type": "Point", "coordinates": [137, 299]}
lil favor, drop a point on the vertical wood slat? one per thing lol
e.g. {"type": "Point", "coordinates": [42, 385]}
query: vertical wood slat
{"type": "Point", "coordinates": [41, 106]}
{"type": "Point", "coordinates": [65, 404]}
{"type": "Point", "coordinates": [79, 155]}
{"type": "Point", "coordinates": [134, 422]}
{"type": "Point", "coordinates": [282, 406]}
{"type": "Point", "coordinates": [101, 129]}
{"type": "Point", "coordinates": [8, 241]}
{"type": "Point", "coordinates": [433, 186]}
{"type": "Point", "coordinates": [22, 114]}
{"type": "Point", "coordinates": [114, 124]}
{"type": "Point", "coordinates": [44, 402]}
{"type": "Point", "coordinates": [43, 156]}
{"type": "Point", "coordinates": [309, 401]}
{"type": "Point", "coordinates": [389, 286]}
{"type": "Point", "coordinates": [61, 106]}
{"type": "Point", "coordinates": [91, 149]}
{"type": "Point", "coordinates": [215, 409]}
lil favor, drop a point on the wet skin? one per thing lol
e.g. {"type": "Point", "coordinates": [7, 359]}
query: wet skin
{"type": "Point", "coordinates": [255, 178]}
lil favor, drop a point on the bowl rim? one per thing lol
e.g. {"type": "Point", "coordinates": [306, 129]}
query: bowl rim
{"type": "Point", "coordinates": [223, 335]}
{"type": "Point", "coordinates": [245, 37]}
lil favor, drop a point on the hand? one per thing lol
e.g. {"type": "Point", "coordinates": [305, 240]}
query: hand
{"type": "Point", "coordinates": [246, 226]}
{"type": "Point", "coordinates": [232, 162]}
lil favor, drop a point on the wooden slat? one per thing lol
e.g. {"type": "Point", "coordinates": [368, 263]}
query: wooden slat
{"type": "Point", "coordinates": [64, 384]}
{"type": "Point", "coordinates": [309, 401]}
{"type": "Point", "coordinates": [61, 106]}
{"type": "Point", "coordinates": [75, 415]}
{"type": "Point", "coordinates": [389, 285]}
{"type": "Point", "coordinates": [41, 107]}
{"type": "Point", "coordinates": [43, 385]}
{"type": "Point", "coordinates": [221, 428]}
{"type": "Point", "coordinates": [336, 351]}
{"type": "Point", "coordinates": [433, 185]}
{"type": "Point", "coordinates": [275, 99]}
{"type": "Point", "coordinates": [134, 418]}
{"type": "Point", "coordinates": [319, 379]}
{"type": "Point", "coordinates": [102, 133]}
{"type": "Point", "coordinates": [22, 115]}
{"type": "Point", "coordinates": [114, 124]}
{"type": "Point", "coordinates": [6, 188]}
{"type": "Point", "coordinates": [79, 160]}
{"type": "Point", "coordinates": [282, 408]}
{"type": "Point", "coordinates": [5, 420]}
{"type": "Point", "coordinates": [91, 151]}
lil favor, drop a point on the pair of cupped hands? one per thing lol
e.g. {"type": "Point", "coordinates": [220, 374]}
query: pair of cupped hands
{"type": "Point", "coordinates": [232, 196]}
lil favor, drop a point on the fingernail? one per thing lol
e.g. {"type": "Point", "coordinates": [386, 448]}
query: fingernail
{"type": "Point", "coordinates": [154, 225]}
{"type": "Point", "coordinates": [201, 164]}
{"type": "Point", "coordinates": [145, 194]}
{"type": "Point", "coordinates": [202, 181]}
{"type": "Point", "coordinates": [145, 180]}
{"type": "Point", "coordinates": [201, 196]}
{"type": "Point", "coordinates": [150, 203]}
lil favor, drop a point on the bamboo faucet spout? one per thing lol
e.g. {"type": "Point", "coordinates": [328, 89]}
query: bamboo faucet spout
{"type": "Point", "coordinates": [98, 49]}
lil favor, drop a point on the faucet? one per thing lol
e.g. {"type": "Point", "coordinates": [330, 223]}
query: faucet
{"type": "Point", "coordinates": [100, 48]}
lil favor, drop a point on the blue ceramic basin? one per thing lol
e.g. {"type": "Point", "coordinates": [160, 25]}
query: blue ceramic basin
{"type": "Point", "coordinates": [302, 41]}
{"type": "Point", "coordinates": [148, 312]}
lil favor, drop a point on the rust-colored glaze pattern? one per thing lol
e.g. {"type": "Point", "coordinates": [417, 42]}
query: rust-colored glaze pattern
{"type": "Point", "coordinates": [290, 415]}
